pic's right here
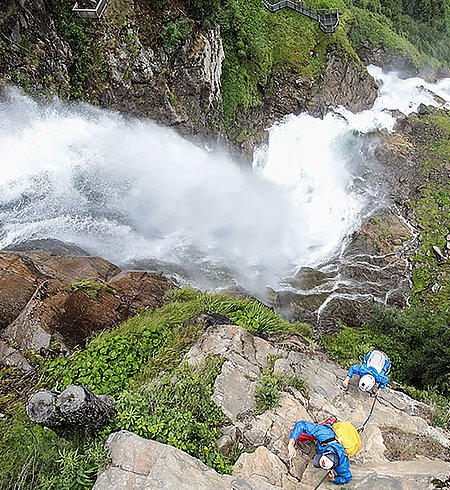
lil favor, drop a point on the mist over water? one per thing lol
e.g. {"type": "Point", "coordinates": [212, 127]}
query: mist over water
{"type": "Point", "coordinates": [135, 193]}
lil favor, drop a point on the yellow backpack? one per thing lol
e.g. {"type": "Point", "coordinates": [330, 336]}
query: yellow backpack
{"type": "Point", "coordinates": [348, 436]}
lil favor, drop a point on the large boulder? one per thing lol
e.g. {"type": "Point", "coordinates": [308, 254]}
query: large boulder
{"type": "Point", "coordinates": [138, 463]}
{"type": "Point", "coordinates": [25, 267]}
{"type": "Point", "coordinates": [75, 315]}
{"type": "Point", "coordinates": [49, 288]}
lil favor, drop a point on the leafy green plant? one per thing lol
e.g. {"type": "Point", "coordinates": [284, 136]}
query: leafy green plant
{"type": "Point", "coordinates": [107, 367]}
{"type": "Point", "coordinates": [270, 384]}
{"type": "Point", "coordinates": [174, 33]}
{"type": "Point", "coordinates": [176, 408]}
{"type": "Point", "coordinates": [88, 61]}
{"type": "Point", "coordinates": [36, 458]}
{"type": "Point", "coordinates": [268, 391]}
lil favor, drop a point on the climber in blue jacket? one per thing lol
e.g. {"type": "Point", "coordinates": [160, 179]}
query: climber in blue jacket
{"type": "Point", "coordinates": [374, 369]}
{"type": "Point", "coordinates": [331, 455]}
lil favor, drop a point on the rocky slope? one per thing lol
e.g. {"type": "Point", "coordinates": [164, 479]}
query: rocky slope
{"type": "Point", "coordinates": [390, 456]}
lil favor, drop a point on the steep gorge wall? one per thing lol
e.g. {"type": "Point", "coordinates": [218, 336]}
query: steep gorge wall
{"type": "Point", "coordinates": [121, 63]}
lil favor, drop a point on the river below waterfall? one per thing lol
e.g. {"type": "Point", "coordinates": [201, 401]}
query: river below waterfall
{"type": "Point", "coordinates": [139, 195]}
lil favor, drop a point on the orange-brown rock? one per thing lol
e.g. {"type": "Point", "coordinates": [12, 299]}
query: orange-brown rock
{"type": "Point", "coordinates": [37, 300]}
{"type": "Point", "coordinates": [140, 289]}
{"type": "Point", "coordinates": [23, 270]}
{"type": "Point", "coordinates": [75, 315]}
{"type": "Point", "coordinates": [18, 281]}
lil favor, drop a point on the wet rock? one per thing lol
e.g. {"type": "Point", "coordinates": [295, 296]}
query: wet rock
{"type": "Point", "coordinates": [180, 88]}
{"type": "Point", "coordinates": [352, 311]}
{"type": "Point", "coordinates": [423, 110]}
{"type": "Point", "coordinates": [79, 315]}
{"type": "Point", "coordinates": [344, 83]}
{"type": "Point", "coordinates": [38, 301]}
{"type": "Point", "coordinates": [33, 48]}
{"type": "Point", "coordinates": [50, 245]}
{"type": "Point", "coordinates": [34, 326]}
{"type": "Point", "coordinates": [373, 267]}
{"type": "Point", "coordinates": [19, 279]}
{"type": "Point", "coordinates": [75, 315]}
{"type": "Point", "coordinates": [139, 289]}
{"type": "Point", "coordinates": [308, 278]}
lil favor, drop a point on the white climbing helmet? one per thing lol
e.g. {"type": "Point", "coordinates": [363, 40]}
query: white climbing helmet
{"type": "Point", "coordinates": [367, 382]}
{"type": "Point", "coordinates": [327, 461]}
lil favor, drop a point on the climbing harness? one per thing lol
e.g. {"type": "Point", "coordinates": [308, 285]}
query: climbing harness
{"type": "Point", "coordinates": [361, 428]}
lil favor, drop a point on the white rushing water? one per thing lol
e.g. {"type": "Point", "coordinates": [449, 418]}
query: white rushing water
{"type": "Point", "coordinates": [129, 190]}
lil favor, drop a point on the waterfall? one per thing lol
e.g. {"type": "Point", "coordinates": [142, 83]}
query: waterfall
{"type": "Point", "coordinates": [136, 193]}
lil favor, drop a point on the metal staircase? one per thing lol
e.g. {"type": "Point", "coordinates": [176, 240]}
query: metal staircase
{"type": "Point", "coordinates": [328, 19]}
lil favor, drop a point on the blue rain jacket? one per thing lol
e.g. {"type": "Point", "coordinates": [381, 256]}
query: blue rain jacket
{"type": "Point", "coordinates": [363, 369]}
{"type": "Point", "coordinates": [323, 433]}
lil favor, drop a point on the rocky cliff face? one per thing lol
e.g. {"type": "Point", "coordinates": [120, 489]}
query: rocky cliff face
{"type": "Point", "coordinates": [122, 63]}
{"type": "Point", "coordinates": [55, 294]}
{"type": "Point", "coordinates": [343, 82]}
{"type": "Point", "coordinates": [391, 454]}
{"type": "Point", "coordinates": [32, 53]}
{"type": "Point", "coordinates": [119, 63]}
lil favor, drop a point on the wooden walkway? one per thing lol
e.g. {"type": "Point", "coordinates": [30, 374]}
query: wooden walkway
{"type": "Point", "coordinates": [328, 19]}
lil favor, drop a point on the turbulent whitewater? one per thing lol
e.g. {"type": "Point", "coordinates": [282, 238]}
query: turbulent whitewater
{"type": "Point", "coordinates": [136, 193]}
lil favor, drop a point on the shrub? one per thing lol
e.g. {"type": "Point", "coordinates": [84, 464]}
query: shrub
{"type": "Point", "coordinates": [137, 364]}
{"type": "Point", "coordinates": [35, 458]}
{"type": "Point", "coordinates": [174, 33]}
{"type": "Point", "coordinates": [107, 367]}
{"type": "Point", "coordinates": [270, 385]}
{"type": "Point", "coordinates": [176, 409]}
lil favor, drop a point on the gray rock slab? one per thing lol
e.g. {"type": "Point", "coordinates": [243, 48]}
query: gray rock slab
{"type": "Point", "coordinates": [138, 464]}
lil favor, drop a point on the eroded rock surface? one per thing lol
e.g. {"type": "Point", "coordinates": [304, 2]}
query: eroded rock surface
{"type": "Point", "coordinates": [135, 461]}
{"type": "Point", "coordinates": [373, 266]}
{"type": "Point", "coordinates": [138, 463]}
{"type": "Point", "coordinates": [37, 300]}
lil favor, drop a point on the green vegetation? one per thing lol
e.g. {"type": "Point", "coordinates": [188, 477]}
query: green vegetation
{"type": "Point", "coordinates": [140, 365]}
{"type": "Point", "coordinates": [258, 44]}
{"type": "Point", "coordinates": [270, 385]}
{"type": "Point", "coordinates": [91, 288]}
{"type": "Point", "coordinates": [88, 63]}
{"type": "Point", "coordinates": [413, 341]}
{"type": "Point", "coordinates": [174, 33]}
{"type": "Point", "coordinates": [431, 276]}
{"type": "Point", "coordinates": [33, 457]}
{"type": "Point", "coordinates": [176, 409]}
